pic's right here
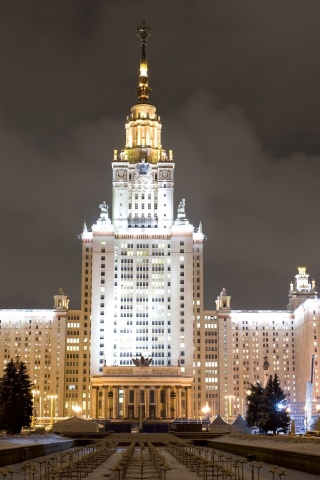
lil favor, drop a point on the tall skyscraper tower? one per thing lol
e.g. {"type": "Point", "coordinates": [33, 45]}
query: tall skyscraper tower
{"type": "Point", "coordinates": [142, 265]}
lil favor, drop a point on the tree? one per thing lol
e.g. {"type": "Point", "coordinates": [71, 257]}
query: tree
{"type": "Point", "coordinates": [267, 407]}
{"type": "Point", "coordinates": [15, 397]}
{"type": "Point", "coordinates": [253, 401]}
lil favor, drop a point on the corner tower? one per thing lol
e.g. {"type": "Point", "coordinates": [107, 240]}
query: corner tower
{"type": "Point", "coordinates": [301, 289]}
{"type": "Point", "coordinates": [142, 264]}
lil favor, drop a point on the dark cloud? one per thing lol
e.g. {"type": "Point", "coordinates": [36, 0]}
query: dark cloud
{"type": "Point", "coordinates": [237, 88]}
{"type": "Point", "coordinates": [257, 209]}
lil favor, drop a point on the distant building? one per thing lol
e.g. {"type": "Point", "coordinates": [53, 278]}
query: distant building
{"type": "Point", "coordinates": [52, 344]}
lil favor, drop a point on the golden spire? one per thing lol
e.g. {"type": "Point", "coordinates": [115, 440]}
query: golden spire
{"type": "Point", "coordinates": [143, 89]}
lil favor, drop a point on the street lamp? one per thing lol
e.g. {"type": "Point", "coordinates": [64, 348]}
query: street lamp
{"type": "Point", "coordinates": [34, 392]}
{"type": "Point", "coordinates": [52, 398]}
{"type": "Point", "coordinates": [288, 410]}
{"type": "Point", "coordinates": [206, 410]}
{"type": "Point", "coordinates": [71, 388]}
{"type": "Point", "coordinates": [318, 412]}
{"type": "Point", "coordinates": [229, 412]}
{"type": "Point", "coordinates": [306, 417]}
{"type": "Point", "coordinates": [76, 409]}
{"type": "Point", "coordinates": [36, 406]}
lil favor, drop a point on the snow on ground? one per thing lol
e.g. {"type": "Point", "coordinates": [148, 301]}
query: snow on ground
{"type": "Point", "coordinates": [11, 441]}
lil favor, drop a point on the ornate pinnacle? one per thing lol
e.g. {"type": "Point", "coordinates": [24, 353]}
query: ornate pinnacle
{"type": "Point", "coordinates": [144, 31]}
{"type": "Point", "coordinates": [143, 89]}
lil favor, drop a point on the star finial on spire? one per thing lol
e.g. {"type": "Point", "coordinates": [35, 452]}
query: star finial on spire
{"type": "Point", "coordinates": [143, 89]}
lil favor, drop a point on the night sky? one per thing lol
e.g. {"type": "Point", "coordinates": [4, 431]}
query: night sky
{"type": "Point", "coordinates": [237, 86]}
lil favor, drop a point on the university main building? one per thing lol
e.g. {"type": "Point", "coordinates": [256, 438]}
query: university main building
{"type": "Point", "coordinates": [142, 342]}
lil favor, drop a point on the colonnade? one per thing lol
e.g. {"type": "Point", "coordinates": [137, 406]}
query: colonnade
{"type": "Point", "coordinates": [133, 401]}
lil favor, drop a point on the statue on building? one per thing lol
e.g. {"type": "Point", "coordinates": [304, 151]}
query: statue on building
{"type": "Point", "coordinates": [143, 167]}
{"type": "Point", "coordinates": [142, 362]}
{"type": "Point", "coordinates": [104, 207]}
{"type": "Point", "coordinates": [182, 207]}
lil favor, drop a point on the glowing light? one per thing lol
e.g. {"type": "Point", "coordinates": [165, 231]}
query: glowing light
{"type": "Point", "coordinates": [143, 70]}
{"type": "Point", "coordinates": [76, 409]}
{"type": "Point", "coordinates": [206, 409]}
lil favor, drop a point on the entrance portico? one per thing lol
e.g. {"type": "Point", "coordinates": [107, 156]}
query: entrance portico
{"type": "Point", "coordinates": [141, 392]}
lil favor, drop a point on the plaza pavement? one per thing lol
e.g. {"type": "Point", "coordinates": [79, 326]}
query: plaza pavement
{"type": "Point", "coordinates": [177, 470]}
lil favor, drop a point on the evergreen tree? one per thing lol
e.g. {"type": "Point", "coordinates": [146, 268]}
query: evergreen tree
{"type": "Point", "coordinates": [273, 409]}
{"type": "Point", "coordinates": [267, 407]}
{"type": "Point", "coordinates": [15, 397]}
{"type": "Point", "coordinates": [253, 401]}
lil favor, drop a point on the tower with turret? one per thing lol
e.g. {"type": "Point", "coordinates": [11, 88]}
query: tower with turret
{"type": "Point", "coordinates": [142, 283]}
{"type": "Point", "coordinates": [301, 289]}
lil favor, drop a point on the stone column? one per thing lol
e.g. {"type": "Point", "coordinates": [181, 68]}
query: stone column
{"type": "Point", "coordinates": [115, 402]}
{"type": "Point", "coordinates": [146, 401]}
{"type": "Point", "coordinates": [141, 404]}
{"type": "Point", "coordinates": [178, 402]}
{"type": "Point", "coordinates": [104, 401]}
{"type": "Point", "coordinates": [168, 413]}
{"type": "Point", "coordinates": [188, 402]}
{"type": "Point", "coordinates": [118, 402]}
{"type": "Point", "coordinates": [125, 401]}
{"type": "Point", "coordinates": [136, 402]}
{"type": "Point", "coordinates": [157, 402]}
{"type": "Point", "coordinates": [94, 401]}
{"type": "Point", "coordinates": [173, 403]}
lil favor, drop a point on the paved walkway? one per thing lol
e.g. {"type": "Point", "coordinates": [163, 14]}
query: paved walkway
{"type": "Point", "coordinates": [180, 472]}
{"type": "Point", "coordinates": [177, 470]}
{"type": "Point", "coordinates": [288, 445]}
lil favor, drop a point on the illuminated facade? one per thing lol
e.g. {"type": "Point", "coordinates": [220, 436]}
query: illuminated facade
{"type": "Point", "coordinates": [242, 347]}
{"type": "Point", "coordinates": [146, 260]}
{"type": "Point", "coordinates": [142, 295]}
{"type": "Point", "coordinates": [53, 346]}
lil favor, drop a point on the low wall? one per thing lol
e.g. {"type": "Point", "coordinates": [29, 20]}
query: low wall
{"type": "Point", "coordinates": [27, 452]}
{"type": "Point", "coordinates": [187, 427]}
